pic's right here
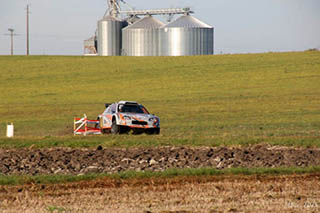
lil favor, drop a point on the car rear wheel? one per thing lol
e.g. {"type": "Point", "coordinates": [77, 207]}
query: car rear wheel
{"type": "Point", "coordinates": [115, 129]}
{"type": "Point", "coordinates": [157, 131]}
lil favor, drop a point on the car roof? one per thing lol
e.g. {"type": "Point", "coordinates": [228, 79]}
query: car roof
{"type": "Point", "coordinates": [127, 102]}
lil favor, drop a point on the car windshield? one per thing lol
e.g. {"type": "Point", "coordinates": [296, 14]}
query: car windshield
{"type": "Point", "coordinates": [132, 108]}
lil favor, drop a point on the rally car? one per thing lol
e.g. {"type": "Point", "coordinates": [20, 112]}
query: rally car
{"type": "Point", "coordinates": [126, 116]}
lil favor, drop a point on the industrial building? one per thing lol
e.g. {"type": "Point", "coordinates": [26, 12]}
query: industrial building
{"type": "Point", "coordinates": [138, 33]}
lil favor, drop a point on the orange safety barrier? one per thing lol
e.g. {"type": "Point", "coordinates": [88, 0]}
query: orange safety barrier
{"type": "Point", "coordinates": [84, 126]}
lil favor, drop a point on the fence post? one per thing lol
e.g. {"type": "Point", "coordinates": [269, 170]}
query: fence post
{"type": "Point", "coordinates": [85, 127]}
{"type": "Point", "coordinates": [10, 130]}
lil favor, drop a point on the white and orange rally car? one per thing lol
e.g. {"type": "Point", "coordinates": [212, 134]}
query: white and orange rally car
{"type": "Point", "coordinates": [123, 116]}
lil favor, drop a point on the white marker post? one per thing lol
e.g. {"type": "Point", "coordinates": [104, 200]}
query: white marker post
{"type": "Point", "coordinates": [10, 130]}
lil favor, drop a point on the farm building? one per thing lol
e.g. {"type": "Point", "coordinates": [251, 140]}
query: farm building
{"type": "Point", "coordinates": [139, 33]}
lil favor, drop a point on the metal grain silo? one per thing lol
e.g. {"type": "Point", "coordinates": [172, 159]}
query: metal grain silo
{"type": "Point", "coordinates": [109, 36]}
{"type": "Point", "coordinates": [186, 36]}
{"type": "Point", "coordinates": [142, 37]}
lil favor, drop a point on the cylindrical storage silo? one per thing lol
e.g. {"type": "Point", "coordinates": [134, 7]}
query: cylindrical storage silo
{"type": "Point", "coordinates": [142, 37]}
{"type": "Point", "coordinates": [186, 36]}
{"type": "Point", "coordinates": [109, 36]}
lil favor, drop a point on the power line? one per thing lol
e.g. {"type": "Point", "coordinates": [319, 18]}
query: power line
{"type": "Point", "coordinates": [57, 36]}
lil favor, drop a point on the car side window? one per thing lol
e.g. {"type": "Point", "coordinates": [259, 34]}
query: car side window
{"type": "Point", "coordinates": [108, 110]}
{"type": "Point", "coordinates": [113, 108]}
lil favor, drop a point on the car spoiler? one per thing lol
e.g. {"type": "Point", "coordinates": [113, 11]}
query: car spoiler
{"type": "Point", "coordinates": [107, 105]}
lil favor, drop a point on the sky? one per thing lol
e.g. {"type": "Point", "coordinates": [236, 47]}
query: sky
{"type": "Point", "coordinates": [58, 27]}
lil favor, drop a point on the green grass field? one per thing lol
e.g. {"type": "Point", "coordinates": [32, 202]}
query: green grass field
{"type": "Point", "coordinates": [203, 100]}
{"type": "Point", "coordinates": [170, 173]}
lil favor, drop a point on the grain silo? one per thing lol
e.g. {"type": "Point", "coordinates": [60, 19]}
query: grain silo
{"type": "Point", "coordinates": [142, 37]}
{"type": "Point", "coordinates": [109, 36]}
{"type": "Point", "coordinates": [186, 36]}
{"type": "Point", "coordinates": [147, 36]}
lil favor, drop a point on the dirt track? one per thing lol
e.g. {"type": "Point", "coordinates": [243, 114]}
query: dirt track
{"type": "Point", "coordinates": [99, 160]}
{"type": "Point", "coordinates": [294, 193]}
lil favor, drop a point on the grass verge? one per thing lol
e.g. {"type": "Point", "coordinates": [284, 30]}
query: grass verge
{"type": "Point", "coordinates": [129, 141]}
{"type": "Point", "coordinates": [170, 173]}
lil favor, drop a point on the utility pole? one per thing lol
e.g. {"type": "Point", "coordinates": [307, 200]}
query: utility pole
{"type": "Point", "coordinates": [28, 28]}
{"type": "Point", "coordinates": [12, 34]}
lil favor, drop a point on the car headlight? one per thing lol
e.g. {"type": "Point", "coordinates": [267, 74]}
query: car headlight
{"type": "Point", "coordinates": [151, 119]}
{"type": "Point", "coordinates": [126, 117]}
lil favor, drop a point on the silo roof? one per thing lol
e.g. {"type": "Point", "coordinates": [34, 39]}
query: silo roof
{"type": "Point", "coordinates": [146, 22]}
{"type": "Point", "coordinates": [133, 19]}
{"type": "Point", "coordinates": [187, 21]}
{"type": "Point", "coordinates": [109, 18]}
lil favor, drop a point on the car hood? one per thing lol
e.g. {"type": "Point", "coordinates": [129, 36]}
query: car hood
{"type": "Point", "coordinates": [138, 116]}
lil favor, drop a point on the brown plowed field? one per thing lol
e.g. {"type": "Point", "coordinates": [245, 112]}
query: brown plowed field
{"type": "Point", "coordinates": [100, 160]}
{"type": "Point", "coordinates": [291, 193]}
{"type": "Point", "coordinates": [294, 193]}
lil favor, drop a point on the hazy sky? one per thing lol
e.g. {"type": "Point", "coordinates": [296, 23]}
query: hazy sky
{"type": "Point", "coordinates": [58, 27]}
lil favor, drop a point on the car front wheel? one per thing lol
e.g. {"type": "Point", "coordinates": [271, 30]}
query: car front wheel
{"type": "Point", "coordinates": [155, 131]}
